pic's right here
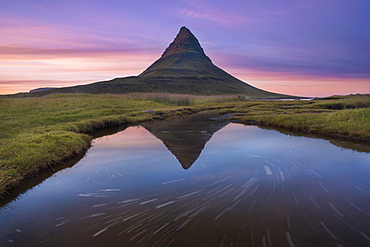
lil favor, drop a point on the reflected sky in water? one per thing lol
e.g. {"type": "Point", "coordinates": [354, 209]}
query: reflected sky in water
{"type": "Point", "coordinates": [248, 187]}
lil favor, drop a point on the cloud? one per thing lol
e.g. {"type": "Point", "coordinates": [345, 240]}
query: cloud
{"type": "Point", "coordinates": [25, 68]}
{"type": "Point", "coordinates": [210, 15]}
{"type": "Point", "coordinates": [300, 84]}
{"type": "Point", "coordinates": [198, 10]}
{"type": "Point", "coordinates": [316, 60]}
{"type": "Point", "coordinates": [19, 52]}
{"type": "Point", "coordinates": [103, 34]}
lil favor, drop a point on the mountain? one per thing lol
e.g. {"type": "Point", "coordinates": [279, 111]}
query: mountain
{"type": "Point", "coordinates": [183, 68]}
{"type": "Point", "coordinates": [185, 137]}
{"type": "Point", "coordinates": [186, 67]}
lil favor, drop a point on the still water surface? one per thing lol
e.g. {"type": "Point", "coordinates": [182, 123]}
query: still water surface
{"type": "Point", "coordinates": [198, 182]}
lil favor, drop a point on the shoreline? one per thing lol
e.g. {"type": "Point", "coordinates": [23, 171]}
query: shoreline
{"type": "Point", "coordinates": [306, 131]}
{"type": "Point", "coordinates": [42, 132]}
{"type": "Point", "coordinates": [55, 165]}
{"type": "Point", "coordinates": [88, 136]}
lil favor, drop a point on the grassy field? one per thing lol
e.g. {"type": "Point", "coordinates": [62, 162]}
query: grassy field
{"type": "Point", "coordinates": [345, 116]}
{"type": "Point", "coordinates": [39, 132]}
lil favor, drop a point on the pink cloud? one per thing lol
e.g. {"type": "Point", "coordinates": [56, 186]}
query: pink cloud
{"type": "Point", "coordinates": [302, 85]}
{"type": "Point", "coordinates": [23, 31]}
{"type": "Point", "coordinates": [26, 68]}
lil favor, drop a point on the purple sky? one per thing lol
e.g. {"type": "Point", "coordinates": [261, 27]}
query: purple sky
{"type": "Point", "coordinates": [307, 48]}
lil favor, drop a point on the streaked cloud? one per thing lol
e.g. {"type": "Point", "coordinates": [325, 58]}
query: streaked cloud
{"type": "Point", "coordinates": [202, 11]}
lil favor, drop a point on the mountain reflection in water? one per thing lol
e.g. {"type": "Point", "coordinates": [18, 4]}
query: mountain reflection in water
{"type": "Point", "coordinates": [247, 186]}
{"type": "Point", "coordinates": [186, 136]}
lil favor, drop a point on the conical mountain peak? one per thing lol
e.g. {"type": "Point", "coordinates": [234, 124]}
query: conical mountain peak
{"type": "Point", "coordinates": [183, 57]}
{"type": "Point", "coordinates": [185, 41]}
{"type": "Point", "coordinates": [183, 68]}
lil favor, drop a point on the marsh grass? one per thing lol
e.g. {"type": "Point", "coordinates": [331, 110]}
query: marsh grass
{"type": "Point", "coordinates": [345, 102]}
{"type": "Point", "coordinates": [182, 99]}
{"type": "Point", "coordinates": [39, 132]}
{"type": "Point", "coordinates": [345, 116]}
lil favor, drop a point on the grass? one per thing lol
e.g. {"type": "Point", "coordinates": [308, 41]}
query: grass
{"type": "Point", "coordinates": [39, 132]}
{"type": "Point", "coordinates": [344, 116]}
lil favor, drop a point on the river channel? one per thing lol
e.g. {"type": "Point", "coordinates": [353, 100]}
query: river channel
{"type": "Point", "coordinates": [202, 181]}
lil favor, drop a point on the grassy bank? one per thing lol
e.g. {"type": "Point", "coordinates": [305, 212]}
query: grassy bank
{"type": "Point", "coordinates": [39, 132]}
{"type": "Point", "coordinates": [343, 116]}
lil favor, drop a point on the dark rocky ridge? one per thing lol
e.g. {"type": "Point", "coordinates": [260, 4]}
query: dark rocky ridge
{"type": "Point", "coordinates": [185, 41]}
{"type": "Point", "coordinates": [184, 57]}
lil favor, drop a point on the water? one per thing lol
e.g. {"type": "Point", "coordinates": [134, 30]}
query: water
{"type": "Point", "coordinates": [198, 182]}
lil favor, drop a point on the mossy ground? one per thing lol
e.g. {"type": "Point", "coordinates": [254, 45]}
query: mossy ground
{"type": "Point", "coordinates": [38, 132]}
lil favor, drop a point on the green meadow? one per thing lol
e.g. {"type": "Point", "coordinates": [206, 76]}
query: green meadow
{"type": "Point", "coordinates": [39, 132]}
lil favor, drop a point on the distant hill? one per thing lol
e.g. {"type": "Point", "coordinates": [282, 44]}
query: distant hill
{"type": "Point", "coordinates": [183, 68]}
{"type": "Point", "coordinates": [41, 89]}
